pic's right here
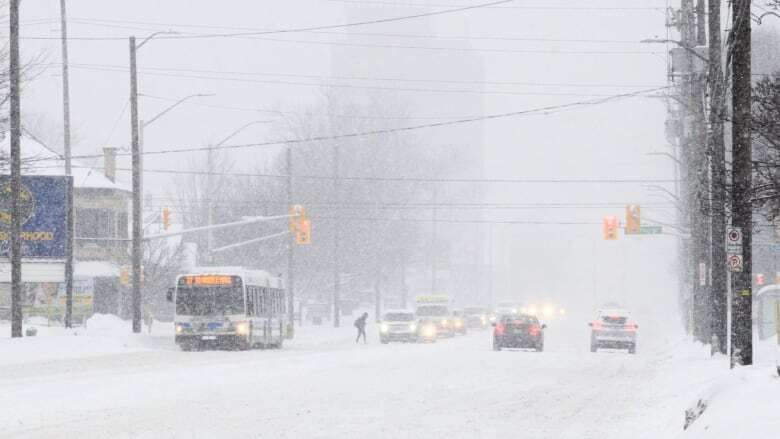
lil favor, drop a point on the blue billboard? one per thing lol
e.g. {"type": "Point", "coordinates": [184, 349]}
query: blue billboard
{"type": "Point", "coordinates": [44, 213]}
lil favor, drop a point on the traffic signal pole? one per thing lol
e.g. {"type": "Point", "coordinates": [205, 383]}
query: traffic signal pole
{"type": "Point", "coordinates": [290, 252]}
{"type": "Point", "coordinates": [742, 297]}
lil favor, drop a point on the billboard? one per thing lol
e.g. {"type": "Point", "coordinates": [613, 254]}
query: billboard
{"type": "Point", "coordinates": [44, 213]}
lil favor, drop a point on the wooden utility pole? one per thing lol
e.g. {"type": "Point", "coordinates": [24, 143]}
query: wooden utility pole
{"type": "Point", "coordinates": [16, 172]}
{"type": "Point", "coordinates": [741, 320]}
{"type": "Point", "coordinates": [336, 240]}
{"type": "Point", "coordinates": [717, 147]}
{"type": "Point", "coordinates": [290, 251]}
{"type": "Point", "coordinates": [136, 153]}
{"type": "Point", "coordinates": [67, 151]}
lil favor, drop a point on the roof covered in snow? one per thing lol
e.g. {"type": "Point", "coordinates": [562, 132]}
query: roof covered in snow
{"type": "Point", "coordinates": [37, 159]}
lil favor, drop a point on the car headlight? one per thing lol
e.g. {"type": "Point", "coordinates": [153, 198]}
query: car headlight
{"type": "Point", "coordinates": [242, 328]}
{"type": "Point", "coordinates": [383, 327]}
{"type": "Point", "coordinates": [514, 310]}
{"type": "Point", "coordinates": [483, 319]}
{"type": "Point", "coordinates": [179, 329]}
{"type": "Point", "coordinates": [429, 331]}
{"type": "Point", "coordinates": [413, 327]}
{"type": "Point", "coordinates": [445, 322]}
{"type": "Point", "coordinates": [548, 310]}
{"type": "Point", "coordinates": [458, 323]}
{"type": "Point", "coordinates": [532, 310]}
{"type": "Point", "coordinates": [562, 311]}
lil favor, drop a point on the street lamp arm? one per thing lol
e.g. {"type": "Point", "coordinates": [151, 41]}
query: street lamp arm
{"type": "Point", "coordinates": [679, 44]}
{"type": "Point", "coordinates": [146, 40]}
{"type": "Point", "coordinates": [760, 18]}
{"type": "Point", "coordinates": [239, 129]}
{"type": "Point", "coordinates": [174, 105]}
{"type": "Point", "coordinates": [666, 154]}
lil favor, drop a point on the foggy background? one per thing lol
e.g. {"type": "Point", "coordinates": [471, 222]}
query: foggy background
{"type": "Point", "coordinates": [551, 56]}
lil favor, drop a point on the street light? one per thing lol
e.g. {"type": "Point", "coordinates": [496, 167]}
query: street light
{"type": "Point", "coordinates": [680, 44]}
{"type": "Point", "coordinates": [210, 210]}
{"type": "Point", "coordinates": [136, 154]}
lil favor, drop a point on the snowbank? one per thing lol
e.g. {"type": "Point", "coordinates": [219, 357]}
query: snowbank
{"type": "Point", "coordinates": [743, 402]}
{"type": "Point", "coordinates": [104, 334]}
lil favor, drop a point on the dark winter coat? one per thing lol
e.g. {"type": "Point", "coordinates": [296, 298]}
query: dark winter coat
{"type": "Point", "coordinates": [360, 323]}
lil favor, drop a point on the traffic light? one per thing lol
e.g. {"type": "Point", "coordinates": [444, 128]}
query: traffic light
{"type": "Point", "coordinates": [166, 218]}
{"type": "Point", "coordinates": [610, 228]}
{"type": "Point", "coordinates": [303, 237]}
{"type": "Point", "coordinates": [633, 219]}
{"type": "Point", "coordinates": [760, 279]}
{"type": "Point", "coordinates": [297, 215]}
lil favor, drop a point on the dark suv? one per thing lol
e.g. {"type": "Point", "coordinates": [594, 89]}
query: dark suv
{"type": "Point", "coordinates": [518, 331]}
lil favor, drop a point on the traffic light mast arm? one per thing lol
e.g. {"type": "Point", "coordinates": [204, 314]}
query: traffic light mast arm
{"type": "Point", "coordinates": [252, 220]}
{"type": "Point", "coordinates": [251, 241]}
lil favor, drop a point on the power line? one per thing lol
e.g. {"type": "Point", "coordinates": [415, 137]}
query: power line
{"type": "Point", "coordinates": [158, 25]}
{"type": "Point", "coordinates": [412, 47]}
{"type": "Point", "coordinates": [374, 78]}
{"type": "Point", "coordinates": [298, 29]}
{"type": "Point", "coordinates": [524, 7]}
{"type": "Point", "coordinates": [547, 109]}
{"type": "Point", "coordinates": [336, 85]}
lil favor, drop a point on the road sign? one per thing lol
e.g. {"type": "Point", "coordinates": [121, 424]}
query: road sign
{"type": "Point", "coordinates": [651, 230]}
{"type": "Point", "coordinates": [735, 263]}
{"type": "Point", "coordinates": [734, 241]}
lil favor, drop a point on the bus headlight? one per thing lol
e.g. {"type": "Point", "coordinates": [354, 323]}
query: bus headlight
{"type": "Point", "coordinates": [383, 327]}
{"type": "Point", "coordinates": [413, 327]}
{"type": "Point", "coordinates": [429, 331]}
{"type": "Point", "coordinates": [242, 328]}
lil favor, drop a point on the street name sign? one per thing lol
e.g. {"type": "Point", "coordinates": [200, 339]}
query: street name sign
{"type": "Point", "coordinates": [651, 230]}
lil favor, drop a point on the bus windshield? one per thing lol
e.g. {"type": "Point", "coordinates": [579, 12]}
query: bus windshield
{"type": "Point", "coordinates": [209, 300]}
{"type": "Point", "coordinates": [432, 311]}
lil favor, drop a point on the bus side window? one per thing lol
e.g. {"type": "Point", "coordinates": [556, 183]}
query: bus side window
{"type": "Point", "coordinates": [263, 301]}
{"type": "Point", "coordinates": [250, 301]}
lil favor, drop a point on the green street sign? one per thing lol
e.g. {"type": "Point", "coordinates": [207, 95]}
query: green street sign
{"type": "Point", "coordinates": [648, 230]}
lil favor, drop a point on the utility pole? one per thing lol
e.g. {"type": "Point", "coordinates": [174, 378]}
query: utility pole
{"type": "Point", "coordinates": [491, 271]}
{"type": "Point", "coordinates": [719, 288]}
{"type": "Point", "coordinates": [136, 153]}
{"type": "Point", "coordinates": [435, 231]}
{"type": "Point", "coordinates": [702, 183]}
{"type": "Point", "coordinates": [66, 144]}
{"type": "Point", "coordinates": [336, 239]}
{"type": "Point", "coordinates": [742, 216]}
{"type": "Point", "coordinates": [290, 252]}
{"type": "Point", "coordinates": [16, 173]}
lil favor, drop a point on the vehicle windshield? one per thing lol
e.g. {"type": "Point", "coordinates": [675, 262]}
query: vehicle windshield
{"type": "Point", "coordinates": [520, 320]}
{"type": "Point", "coordinates": [399, 317]}
{"type": "Point", "coordinates": [614, 320]}
{"type": "Point", "coordinates": [209, 301]}
{"type": "Point", "coordinates": [432, 311]}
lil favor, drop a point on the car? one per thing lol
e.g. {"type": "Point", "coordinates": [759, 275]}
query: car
{"type": "Point", "coordinates": [476, 317]}
{"type": "Point", "coordinates": [458, 322]}
{"type": "Point", "coordinates": [402, 326]}
{"type": "Point", "coordinates": [434, 309]}
{"type": "Point", "coordinates": [521, 331]}
{"type": "Point", "coordinates": [613, 329]}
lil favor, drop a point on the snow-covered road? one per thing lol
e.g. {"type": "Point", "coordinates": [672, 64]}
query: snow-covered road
{"type": "Point", "coordinates": [323, 385]}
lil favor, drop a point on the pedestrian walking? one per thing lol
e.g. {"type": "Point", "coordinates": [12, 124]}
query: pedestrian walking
{"type": "Point", "coordinates": [360, 324]}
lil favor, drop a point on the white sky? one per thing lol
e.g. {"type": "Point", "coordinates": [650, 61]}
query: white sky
{"type": "Point", "coordinates": [607, 141]}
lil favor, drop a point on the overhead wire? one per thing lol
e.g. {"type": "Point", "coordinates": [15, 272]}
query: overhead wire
{"type": "Point", "coordinates": [384, 131]}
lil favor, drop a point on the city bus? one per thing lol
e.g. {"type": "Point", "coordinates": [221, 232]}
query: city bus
{"type": "Point", "coordinates": [229, 307]}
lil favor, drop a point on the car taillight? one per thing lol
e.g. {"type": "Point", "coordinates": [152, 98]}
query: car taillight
{"type": "Point", "coordinates": [500, 329]}
{"type": "Point", "coordinates": [534, 329]}
{"type": "Point", "coordinates": [597, 325]}
{"type": "Point", "coordinates": [631, 327]}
